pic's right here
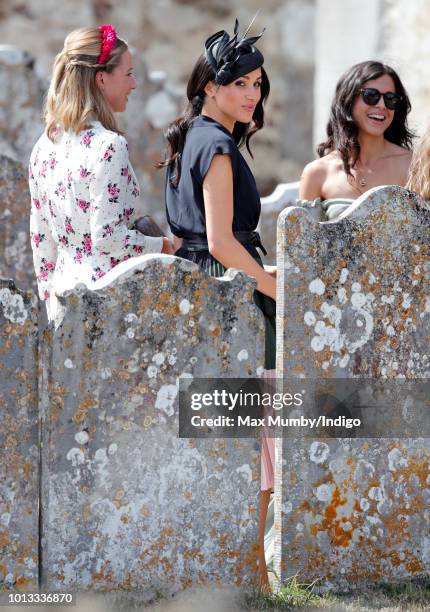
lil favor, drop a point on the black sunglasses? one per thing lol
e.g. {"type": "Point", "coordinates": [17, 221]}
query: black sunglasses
{"type": "Point", "coordinates": [371, 96]}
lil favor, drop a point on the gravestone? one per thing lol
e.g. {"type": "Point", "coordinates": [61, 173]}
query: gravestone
{"type": "Point", "coordinates": [126, 503]}
{"type": "Point", "coordinates": [16, 261]}
{"type": "Point", "coordinates": [19, 439]}
{"type": "Point", "coordinates": [354, 303]}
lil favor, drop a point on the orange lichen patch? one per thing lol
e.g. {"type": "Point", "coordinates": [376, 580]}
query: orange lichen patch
{"type": "Point", "coordinates": [305, 506]}
{"type": "Point", "coordinates": [316, 559]}
{"type": "Point", "coordinates": [104, 575]}
{"type": "Point", "coordinates": [24, 552]}
{"type": "Point", "coordinates": [372, 570]}
{"type": "Point", "coordinates": [125, 518]}
{"type": "Point", "coordinates": [414, 566]}
{"type": "Point", "coordinates": [4, 539]}
{"type": "Point", "coordinates": [28, 469]}
{"type": "Point", "coordinates": [395, 559]}
{"type": "Point", "coordinates": [222, 540]}
{"type": "Point", "coordinates": [298, 368]}
{"type": "Point", "coordinates": [11, 441]}
{"type": "Point", "coordinates": [23, 376]}
{"type": "Point", "coordinates": [331, 523]}
{"type": "Point", "coordinates": [215, 332]}
{"type": "Point", "coordinates": [193, 553]}
{"type": "Point", "coordinates": [86, 511]}
{"type": "Point", "coordinates": [186, 582]}
{"type": "Point", "coordinates": [330, 512]}
{"type": "Point", "coordinates": [80, 416]}
{"type": "Point", "coordinates": [165, 534]}
{"type": "Point", "coordinates": [416, 467]}
{"type": "Point", "coordinates": [326, 478]}
{"type": "Point", "coordinates": [22, 582]}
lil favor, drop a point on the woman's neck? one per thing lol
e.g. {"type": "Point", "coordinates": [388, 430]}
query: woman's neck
{"type": "Point", "coordinates": [372, 148]}
{"type": "Point", "coordinates": [213, 112]}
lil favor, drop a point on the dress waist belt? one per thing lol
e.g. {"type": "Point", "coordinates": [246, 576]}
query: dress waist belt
{"type": "Point", "coordinates": [197, 242]}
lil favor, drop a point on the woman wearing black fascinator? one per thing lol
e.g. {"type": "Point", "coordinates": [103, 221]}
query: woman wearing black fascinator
{"type": "Point", "coordinates": [213, 205]}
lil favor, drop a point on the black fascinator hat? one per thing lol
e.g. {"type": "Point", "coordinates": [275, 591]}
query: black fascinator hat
{"type": "Point", "coordinates": [232, 57]}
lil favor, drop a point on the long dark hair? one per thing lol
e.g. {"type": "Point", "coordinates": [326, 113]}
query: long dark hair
{"type": "Point", "coordinates": [177, 131]}
{"type": "Point", "coordinates": [342, 131]}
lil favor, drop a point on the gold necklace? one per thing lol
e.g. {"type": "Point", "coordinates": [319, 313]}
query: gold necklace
{"type": "Point", "coordinates": [362, 180]}
{"type": "Point", "coordinates": [357, 182]}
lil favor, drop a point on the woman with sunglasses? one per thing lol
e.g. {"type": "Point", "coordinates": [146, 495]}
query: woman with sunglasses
{"type": "Point", "coordinates": [368, 141]}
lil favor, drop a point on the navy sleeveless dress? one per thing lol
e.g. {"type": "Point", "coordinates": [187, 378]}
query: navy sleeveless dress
{"type": "Point", "coordinates": [186, 212]}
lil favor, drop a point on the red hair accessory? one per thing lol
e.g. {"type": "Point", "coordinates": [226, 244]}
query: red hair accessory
{"type": "Point", "coordinates": [108, 42]}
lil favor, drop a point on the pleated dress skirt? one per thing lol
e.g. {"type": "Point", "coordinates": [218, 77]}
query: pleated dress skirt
{"type": "Point", "coordinates": [214, 268]}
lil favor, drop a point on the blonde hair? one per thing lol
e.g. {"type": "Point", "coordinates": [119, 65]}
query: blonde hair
{"type": "Point", "coordinates": [74, 98]}
{"type": "Point", "coordinates": [419, 171]}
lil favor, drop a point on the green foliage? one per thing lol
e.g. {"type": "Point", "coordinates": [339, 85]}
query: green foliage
{"type": "Point", "coordinates": [292, 594]}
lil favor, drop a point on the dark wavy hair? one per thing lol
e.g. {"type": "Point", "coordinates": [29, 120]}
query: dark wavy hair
{"type": "Point", "coordinates": [342, 131]}
{"type": "Point", "coordinates": [176, 133]}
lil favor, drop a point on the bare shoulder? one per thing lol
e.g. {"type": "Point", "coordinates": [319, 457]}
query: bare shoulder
{"type": "Point", "coordinates": [399, 153]}
{"type": "Point", "coordinates": [314, 168]}
{"type": "Point", "coordinates": [313, 176]}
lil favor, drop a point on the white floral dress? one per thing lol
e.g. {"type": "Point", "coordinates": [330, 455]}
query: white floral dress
{"type": "Point", "coordinates": [85, 197]}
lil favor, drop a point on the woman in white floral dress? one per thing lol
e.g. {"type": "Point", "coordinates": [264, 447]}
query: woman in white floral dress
{"type": "Point", "coordinates": [85, 197]}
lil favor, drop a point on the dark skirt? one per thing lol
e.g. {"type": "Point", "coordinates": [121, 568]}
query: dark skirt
{"type": "Point", "coordinates": [268, 306]}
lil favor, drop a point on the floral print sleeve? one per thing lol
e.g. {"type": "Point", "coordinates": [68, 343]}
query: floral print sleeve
{"type": "Point", "coordinates": [43, 246]}
{"type": "Point", "coordinates": [112, 188]}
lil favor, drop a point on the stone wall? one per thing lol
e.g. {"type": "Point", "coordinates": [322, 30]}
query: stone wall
{"type": "Point", "coordinates": [404, 43]}
{"type": "Point", "coordinates": [161, 512]}
{"type": "Point", "coordinates": [16, 261]}
{"type": "Point", "coordinates": [19, 439]}
{"type": "Point", "coordinates": [21, 94]}
{"type": "Point", "coordinates": [128, 505]}
{"type": "Point", "coordinates": [271, 207]}
{"type": "Point", "coordinates": [354, 303]}
{"type": "Point", "coordinates": [125, 503]}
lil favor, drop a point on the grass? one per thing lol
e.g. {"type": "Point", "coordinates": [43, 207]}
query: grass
{"type": "Point", "coordinates": [411, 595]}
{"type": "Point", "coordinates": [292, 594]}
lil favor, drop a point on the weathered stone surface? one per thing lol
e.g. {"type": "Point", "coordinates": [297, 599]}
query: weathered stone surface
{"type": "Point", "coordinates": [127, 504]}
{"type": "Point", "coordinates": [271, 207]}
{"type": "Point", "coordinates": [295, 20]}
{"type": "Point", "coordinates": [21, 95]}
{"type": "Point", "coordinates": [149, 111]}
{"type": "Point", "coordinates": [404, 43]}
{"type": "Point", "coordinates": [16, 261]}
{"type": "Point", "coordinates": [19, 433]}
{"type": "Point", "coordinates": [355, 302]}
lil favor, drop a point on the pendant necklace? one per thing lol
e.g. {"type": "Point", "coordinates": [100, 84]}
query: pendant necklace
{"type": "Point", "coordinates": [362, 181]}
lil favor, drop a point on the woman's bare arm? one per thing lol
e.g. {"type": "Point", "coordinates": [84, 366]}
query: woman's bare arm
{"type": "Point", "coordinates": [218, 199]}
{"type": "Point", "coordinates": [177, 242]}
{"type": "Point", "coordinates": [312, 180]}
